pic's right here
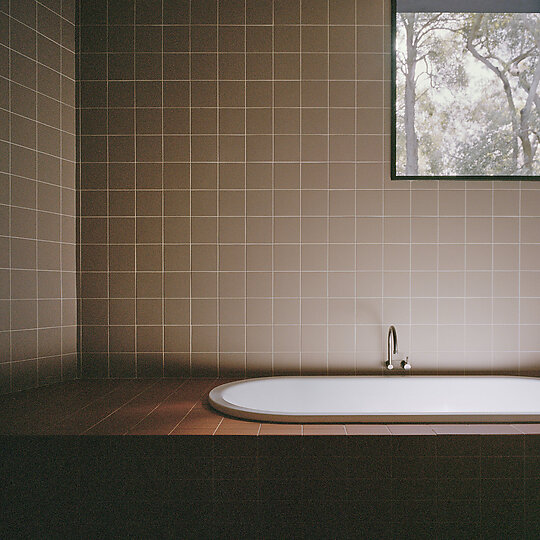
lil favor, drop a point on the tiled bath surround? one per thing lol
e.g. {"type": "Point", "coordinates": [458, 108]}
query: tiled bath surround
{"type": "Point", "coordinates": [237, 216]}
{"type": "Point", "coordinates": [38, 319]}
{"type": "Point", "coordinates": [251, 480]}
{"type": "Point", "coordinates": [410, 487]}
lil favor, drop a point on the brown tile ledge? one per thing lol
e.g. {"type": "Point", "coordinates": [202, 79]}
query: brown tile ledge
{"type": "Point", "coordinates": [177, 407]}
{"type": "Point", "coordinates": [427, 481]}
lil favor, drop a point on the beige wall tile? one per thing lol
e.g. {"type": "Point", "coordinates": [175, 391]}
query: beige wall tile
{"type": "Point", "coordinates": [263, 198]}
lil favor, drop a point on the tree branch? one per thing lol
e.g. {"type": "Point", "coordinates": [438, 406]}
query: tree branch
{"type": "Point", "coordinates": [506, 85]}
{"type": "Point", "coordinates": [426, 27]}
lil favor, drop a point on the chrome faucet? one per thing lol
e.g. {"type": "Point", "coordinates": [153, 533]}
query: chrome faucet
{"type": "Point", "coordinates": [392, 347]}
{"type": "Point", "coordinates": [392, 350]}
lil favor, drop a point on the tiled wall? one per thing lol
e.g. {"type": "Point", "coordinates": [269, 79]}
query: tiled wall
{"type": "Point", "coordinates": [38, 329]}
{"type": "Point", "coordinates": [237, 216]}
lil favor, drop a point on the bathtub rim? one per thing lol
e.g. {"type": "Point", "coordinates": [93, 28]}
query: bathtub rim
{"type": "Point", "coordinates": [217, 402]}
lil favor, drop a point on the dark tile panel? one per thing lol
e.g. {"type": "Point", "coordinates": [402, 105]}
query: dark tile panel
{"type": "Point", "coordinates": [420, 489]}
{"type": "Point", "coordinates": [414, 445]}
{"type": "Point", "coordinates": [188, 481]}
{"type": "Point", "coordinates": [507, 445]}
{"type": "Point", "coordinates": [269, 446]}
{"type": "Point", "coordinates": [532, 467]}
{"type": "Point", "coordinates": [371, 467]}
{"type": "Point", "coordinates": [503, 467]}
{"type": "Point", "coordinates": [458, 445]}
{"type": "Point", "coordinates": [461, 488]}
{"type": "Point", "coordinates": [532, 445]}
{"type": "Point", "coordinates": [327, 519]}
{"type": "Point", "coordinates": [503, 488]}
{"type": "Point", "coordinates": [459, 467]}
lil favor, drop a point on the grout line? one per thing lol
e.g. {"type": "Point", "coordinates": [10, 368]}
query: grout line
{"type": "Point", "coordinates": [35, 60]}
{"type": "Point", "coordinates": [217, 427]}
{"type": "Point", "coordinates": [288, 107]}
{"type": "Point", "coordinates": [43, 242]}
{"type": "Point", "coordinates": [453, 271]}
{"type": "Point", "coordinates": [36, 194]}
{"type": "Point", "coordinates": [272, 333]}
{"type": "Point", "coordinates": [91, 402]}
{"type": "Point", "coordinates": [262, 297]}
{"type": "Point", "coordinates": [39, 122]}
{"type": "Point", "coordinates": [465, 325]}
{"type": "Point", "coordinates": [301, 172]}
{"type": "Point", "coordinates": [120, 407]}
{"type": "Point", "coordinates": [382, 241]}
{"type": "Point", "coordinates": [520, 196]}
{"type": "Point", "coordinates": [410, 299]}
{"type": "Point", "coordinates": [108, 262]}
{"type": "Point", "coordinates": [453, 351]}
{"type": "Point", "coordinates": [10, 226]}
{"type": "Point", "coordinates": [190, 93]}
{"type": "Point", "coordinates": [218, 188]}
{"type": "Point", "coordinates": [40, 357]}
{"type": "Point", "coordinates": [306, 161]}
{"type": "Point", "coordinates": [327, 184]}
{"type": "Point", "coordinates": [472, 272]}
{"type": "Point", "coordinates": [255, 24]}
{"type": "Point", "coordinates": [437, 278]}
{"type": "Point", "coordinates": [61, 220]}
{"type": "Point", "coordinates": [355, 322]}
{"type": "Point", "coordinates": [245, 189]}
{"type": "Point", "coordinates": [163, 244]}
{"type": "Point", "coordinates": [135, 345]}
{"type": "Point", "coordinates": [78, 198]}
{"type": "Point", "coordinates": [233, 189]}
{"type": "Point", "coordinates": [52, 11]}
{"type": "Point", "coordinates": [120, 216]}
{"type": "Point", "coordinates": [491, 277]}
{"type": "Point", "coordinates": [197, 400]}
{"type": "Point", "coordinates": [182, 383]}
{"type": "Point", "coordinates": [236, 80]}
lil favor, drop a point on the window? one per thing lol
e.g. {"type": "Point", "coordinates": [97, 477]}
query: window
{"type": "Point", "coordinates": [465, 89]}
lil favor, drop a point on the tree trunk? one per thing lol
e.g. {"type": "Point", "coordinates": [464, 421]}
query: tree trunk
{"type": "Point", "coordinates": [525, 113]}
{"type": "Point", "coordinates": [506, 85]}
{"type": "Point", "coordinates": [411, 140]}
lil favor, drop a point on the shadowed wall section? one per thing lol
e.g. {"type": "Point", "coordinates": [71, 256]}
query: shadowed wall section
{"type": "Point", "coordinates": [237, 216]}
{"type": "Point", "coordinates": [38, 318]}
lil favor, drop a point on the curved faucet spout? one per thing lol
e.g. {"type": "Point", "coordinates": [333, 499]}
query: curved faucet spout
{"type": "Point", "coordinates": [392, 347]}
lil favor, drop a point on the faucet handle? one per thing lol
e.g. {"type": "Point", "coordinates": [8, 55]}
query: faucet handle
{"type": "Point", "coordinates": [405, 363]}
{"type": "Point", "coordinates": [389, 365]}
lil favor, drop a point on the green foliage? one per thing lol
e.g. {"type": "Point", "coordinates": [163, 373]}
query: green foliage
{"type": "Point", "coordinates": [463, 120]}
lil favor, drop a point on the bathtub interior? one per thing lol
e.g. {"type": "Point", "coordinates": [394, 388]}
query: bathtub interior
{"type": "Point", "coordinates": [420, 398]}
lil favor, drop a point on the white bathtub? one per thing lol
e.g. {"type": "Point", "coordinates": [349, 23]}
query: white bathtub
{"type": "Point", "coordinates": [381, 399]}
